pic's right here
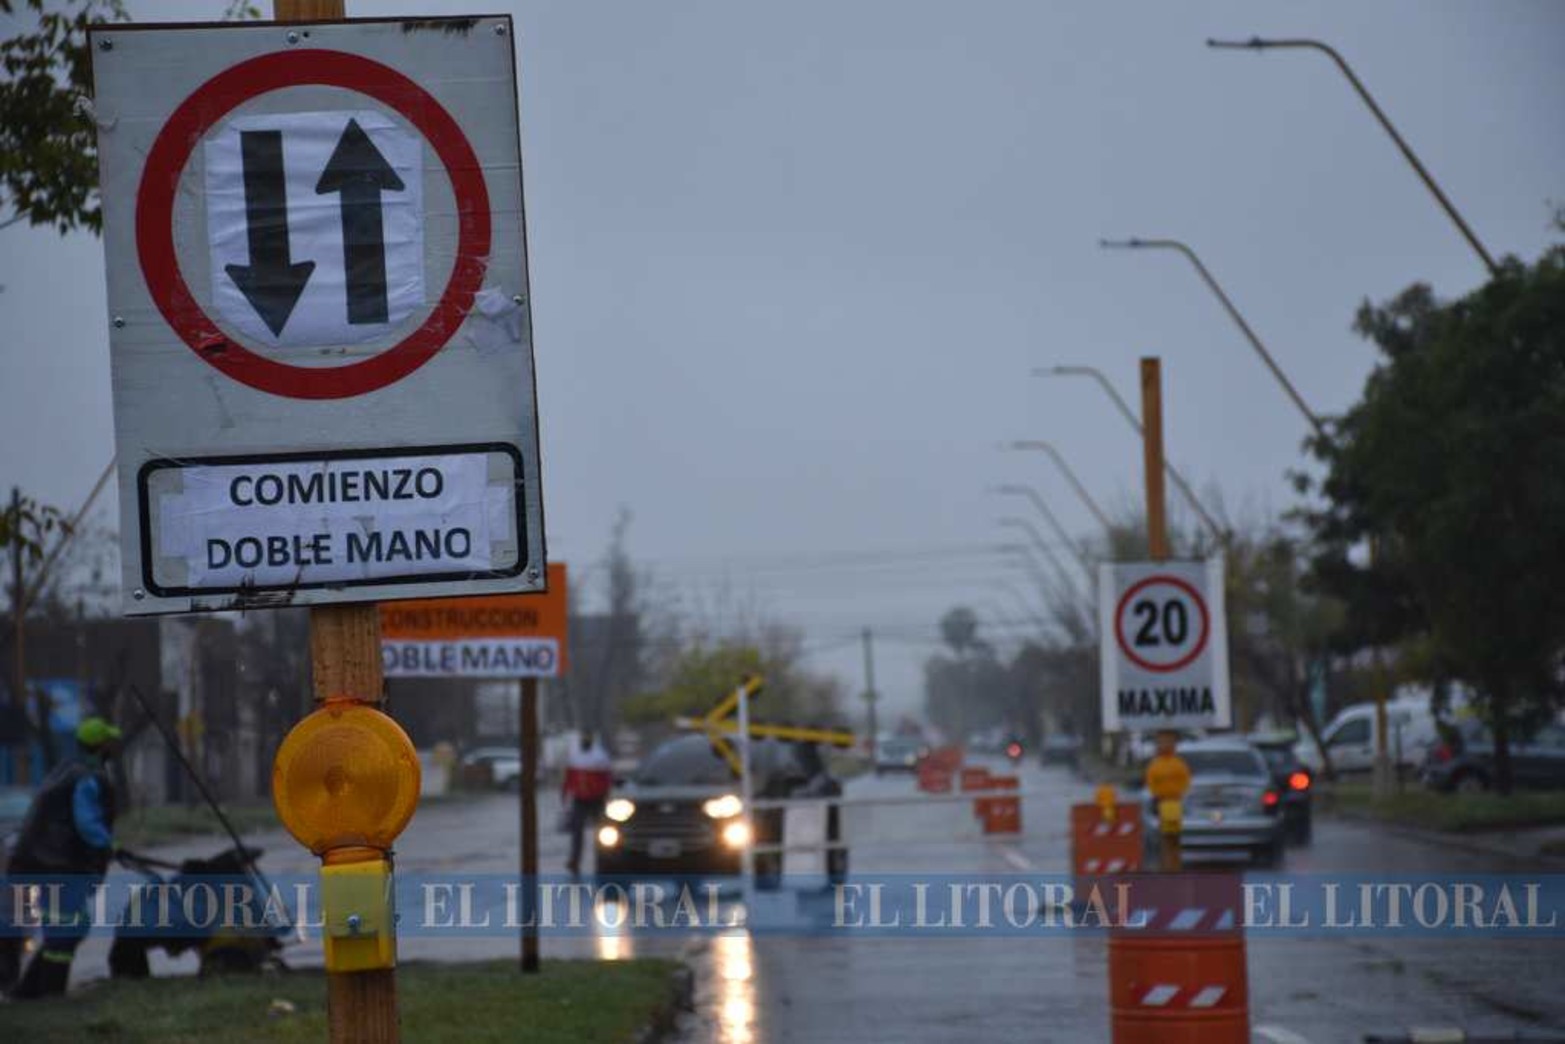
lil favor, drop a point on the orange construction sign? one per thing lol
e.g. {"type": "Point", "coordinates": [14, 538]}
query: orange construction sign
{"type": "Point", "coordinates": [487, 636]}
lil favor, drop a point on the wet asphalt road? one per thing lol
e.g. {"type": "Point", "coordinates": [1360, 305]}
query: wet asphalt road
{"type": "Point", "coordinates": [768, 988]}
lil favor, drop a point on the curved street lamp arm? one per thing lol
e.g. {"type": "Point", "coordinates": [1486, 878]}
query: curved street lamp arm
{"type": "Point", "coordinates": [1233, 313]}
{"type": "Point", "coordinates": [1016, 489]}
{"type": "Point", "coordinates": [1070, 476]}
{"type": "Point", "coordinates": [1256, 43]}
{"type": "Point", "coordinates": [1218, 532]}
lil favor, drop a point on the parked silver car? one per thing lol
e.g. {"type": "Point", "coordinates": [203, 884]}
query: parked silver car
{"type": "Point", "coordinates": [1231, 811]}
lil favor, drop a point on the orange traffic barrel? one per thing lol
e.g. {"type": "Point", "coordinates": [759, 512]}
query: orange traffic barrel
{"type": "Point", "coordinates": [933, 778]}
{"type": "Point", "coordinates": [1103, 844]}
{"type": "Point", "coordinates": [1000, 815]}
{"type": "Point", "coordinates": [974, 777]}
{"type": "Point", "coordinates": [1177, 962]}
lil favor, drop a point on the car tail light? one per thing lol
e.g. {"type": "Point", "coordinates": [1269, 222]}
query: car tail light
{"type": "Point", "coordinates": [1014, 750]}
{"type": "Point", "coordinates": [1299, 781]}
{"type": "Point", "coordinates": [1269, 800]}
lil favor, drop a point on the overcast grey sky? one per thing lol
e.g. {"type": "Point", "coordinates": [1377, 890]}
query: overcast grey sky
{"type": "Point", "coordinates": [791, 264]}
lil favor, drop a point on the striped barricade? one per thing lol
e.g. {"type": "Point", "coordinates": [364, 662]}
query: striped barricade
{"type": "Point", "coordinates": [1104, 844]}
{"type": "Point", "coordinates": [1177, 962]}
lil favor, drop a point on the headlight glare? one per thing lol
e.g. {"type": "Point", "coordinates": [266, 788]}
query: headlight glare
{"type": "Point", "coordinates": [725, 807]}
{"type": "Point", "coordinates": [620, 809]}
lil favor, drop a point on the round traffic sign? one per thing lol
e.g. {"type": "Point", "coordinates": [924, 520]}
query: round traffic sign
{"type": "Point", "coordinates": [1162, 624]}
{"type": "Point", "coordinates": [215, 99]}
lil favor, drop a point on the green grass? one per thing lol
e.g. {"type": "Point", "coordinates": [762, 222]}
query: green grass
{"type": "Point", "coordinates": [143, 827]}
{"type": "Point", "coordinates": [567, 1001]}
{"type": "Point", "coordinates": [1453, 813]}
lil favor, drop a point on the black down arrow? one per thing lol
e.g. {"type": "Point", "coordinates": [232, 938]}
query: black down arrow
{"type": "Point", "coordinates": [360, 174]}
{"type": "Point", "coordinates": [270, 282]}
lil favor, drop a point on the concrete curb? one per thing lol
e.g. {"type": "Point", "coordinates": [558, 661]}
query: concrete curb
{"type": "Point", "coordinates": [679, 999]}
{"type": "Point", "coordinates": [1460, 842]}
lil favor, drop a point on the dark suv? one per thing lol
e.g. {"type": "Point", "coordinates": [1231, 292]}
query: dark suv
{"type": "Point", "coordinates": [680, 814]}
{"type": "Point", "coordinates": [1463, 760]}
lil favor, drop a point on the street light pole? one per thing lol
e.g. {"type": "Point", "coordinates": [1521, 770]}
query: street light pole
{"type": "Point", "coordinates": [1233, 313]}
{"type": "Point", "coordinates": [1070, 476]}
{"type": "Point", "coordinates": [1218, 532]}
{"type": "Point", "coordinates": [1017, 522]}
{"type": "Point", "coordinates": [1017, 489]}
{"type": "Point", "coordinates": [1256, 43]}
{"type": "Point", "coordinates": [1035, 565]}
{"type": "Point", "coordinates": [1027, 607]}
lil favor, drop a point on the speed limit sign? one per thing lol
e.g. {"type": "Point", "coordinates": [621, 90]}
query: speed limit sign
{"type": "Point", "coordinates": [1165, 645]}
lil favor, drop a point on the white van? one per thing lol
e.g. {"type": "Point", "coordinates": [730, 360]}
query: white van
{"type": "Point", "coordinates": [1350, 736]}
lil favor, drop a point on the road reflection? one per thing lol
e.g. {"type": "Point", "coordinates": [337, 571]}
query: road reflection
{"type": "Point", "coordinates": [612, 936]}
{"type": "Point", "coordinates": [733, 953]}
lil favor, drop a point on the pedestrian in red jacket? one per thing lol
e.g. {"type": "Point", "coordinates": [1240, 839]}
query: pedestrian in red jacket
{"type": "Point", "coordinates": [588, 776]}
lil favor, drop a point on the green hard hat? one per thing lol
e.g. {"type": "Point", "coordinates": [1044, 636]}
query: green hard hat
{"type": "Point", "coordinates": [95, 732]}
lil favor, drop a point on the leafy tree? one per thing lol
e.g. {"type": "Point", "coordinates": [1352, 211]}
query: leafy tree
{"type": "Point", "coordinates": [702, 674]}
{"type": "Point", "coordinates": [48, 143]}
{"type": "Point", "coordinates": [26, 527]}
{"type": "Point", "coordinates": [1280, 632]}
{"type": "Point", "coordinates": [959, 629]}
{"type": "Point", "coordinates": [1455, 460]}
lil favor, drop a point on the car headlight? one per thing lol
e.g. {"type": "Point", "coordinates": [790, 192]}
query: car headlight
{"type": "Point", "coordinates": [725, 807]}
{"type": "Point", "coordinates": [736, 834]}
{"type": "Point", "coordinates": [608, 835]}
{"type": "Point", "coordinates": [620, 809]}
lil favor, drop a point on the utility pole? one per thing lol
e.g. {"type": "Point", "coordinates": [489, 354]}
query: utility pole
{"type": "Point", "coordinates": [871, 697]}
{"type": "Point", "coordinates": [345, 662]}
{"type": "Point", "coordinates": [18, 629]}
{"type": "Point", "coordinates": [1152, 456]}
{"type": "Point", "coordinates": [528, 708]}
{"type": "Point", "coordinates": [1171, 856]}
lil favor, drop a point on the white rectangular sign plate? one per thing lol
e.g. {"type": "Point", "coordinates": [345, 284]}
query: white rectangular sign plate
{"type": "Point", "coordinates": [277, 525]}
{"type": "Point", "coordinates": [318, 293]}
{"type": "Point", "coordinates": [1164, 645]}
{"type": "Point", "coordinates": [472, 658]}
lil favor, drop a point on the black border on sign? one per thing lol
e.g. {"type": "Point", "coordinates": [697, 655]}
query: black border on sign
{"type": "Point", "coordinates": [144, 475]}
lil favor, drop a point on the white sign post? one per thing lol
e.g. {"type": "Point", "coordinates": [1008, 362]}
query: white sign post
{"type": "Point", "coordinates": [320, 329]}
{"type": "Point", "coordinates": [1164, 645]}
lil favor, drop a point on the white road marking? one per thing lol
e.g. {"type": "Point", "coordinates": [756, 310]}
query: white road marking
{"type": "Point", "coordinates": [1279, 1035]}
{"type": "Point", "coordinates": [1016, 859]}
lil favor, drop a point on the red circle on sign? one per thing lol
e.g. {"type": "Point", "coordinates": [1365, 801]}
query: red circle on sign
{"type": "Point", "coordinates": [215, 99]}
{"type": "Point", "coordinates": [1194, 596]}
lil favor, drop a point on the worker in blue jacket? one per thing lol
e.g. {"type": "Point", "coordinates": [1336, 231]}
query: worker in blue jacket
{"type": "Point", "coordinates": [68, 838]}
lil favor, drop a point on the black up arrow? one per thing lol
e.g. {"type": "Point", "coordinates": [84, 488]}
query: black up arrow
{"type": "Point", "coordinates": [360, 173]}
{"type": "Point", "coordinates": [270, 282]}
